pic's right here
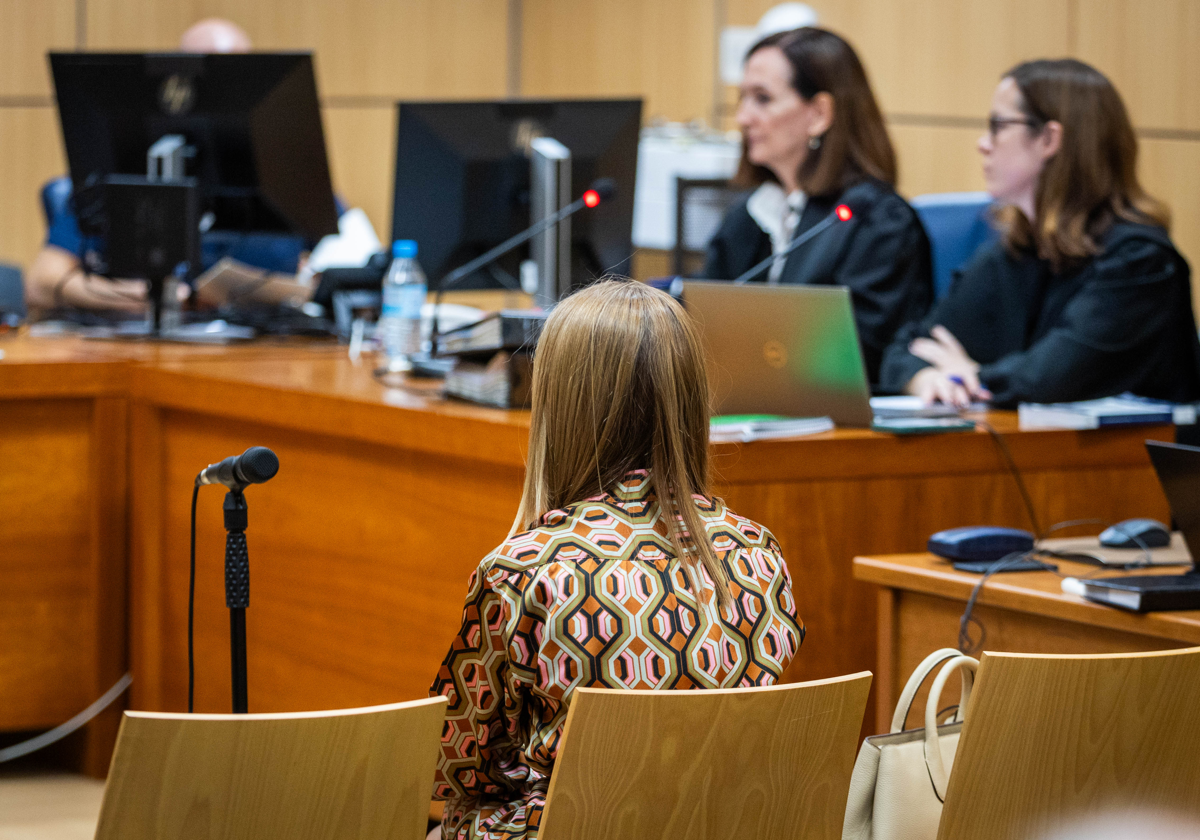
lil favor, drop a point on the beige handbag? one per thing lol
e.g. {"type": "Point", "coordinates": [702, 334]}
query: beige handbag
{"type": "Point", "coordinates": [899, 779]}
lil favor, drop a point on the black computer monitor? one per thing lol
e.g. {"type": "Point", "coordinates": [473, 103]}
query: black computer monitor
{"type": "Point", "coordinates": [252, 119]}
{"type": "Point", "coordinates": [463, 180]}
{"type": "Point", "coordinates": [1178, 469]}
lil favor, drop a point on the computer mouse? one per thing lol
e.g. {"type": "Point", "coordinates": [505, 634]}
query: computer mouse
{"type": "Point", "coordinates": [1136, 533]}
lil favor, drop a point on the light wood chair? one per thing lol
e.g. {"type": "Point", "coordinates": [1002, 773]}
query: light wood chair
{"type": "Point", "coordinates": [769, 762]}
{"type": "Point", "coordinates": [352, 773]}
{"type": "Point", "coordinates": [1050, 738]}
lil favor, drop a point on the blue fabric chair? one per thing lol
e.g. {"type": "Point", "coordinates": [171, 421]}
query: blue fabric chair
{"type": "Point", "coordinates": [957, 225]}
{"type": "Point", "coordinates": [55, 197]}
{"type": "Point", "coordinates": [12, 294]}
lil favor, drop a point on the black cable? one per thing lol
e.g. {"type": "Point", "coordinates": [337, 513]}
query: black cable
{"type": "Point", "coordinates": [965, 645]}
{"type": "Point", "coordinates": [192, 602]}
{"type": "Point", "coordinates": [1016, 474]}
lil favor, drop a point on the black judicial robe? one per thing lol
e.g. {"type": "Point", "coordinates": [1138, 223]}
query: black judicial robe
{"type": "Point", "coordinates": [1120, 321]}
{"type": "Point", "coordinates": [881, 255]}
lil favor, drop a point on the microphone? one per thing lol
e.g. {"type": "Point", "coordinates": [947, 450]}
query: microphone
{"type": "Point", "coordinates": [841, 213]}
{"type": "Point", "coordinates": [254, 466]}
{"type": "Point", "coordinates": [601, 190]}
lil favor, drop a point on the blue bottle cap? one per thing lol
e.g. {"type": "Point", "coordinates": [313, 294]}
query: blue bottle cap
{"type": "Point", "coordinates": [404, 248]}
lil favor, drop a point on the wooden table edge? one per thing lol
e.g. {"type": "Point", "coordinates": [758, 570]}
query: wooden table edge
{"type": "Point", "coordinates": [897, 572]}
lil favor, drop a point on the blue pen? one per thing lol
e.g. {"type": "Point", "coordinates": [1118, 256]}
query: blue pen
{"type": "Point", "coordinates": [957, 380]}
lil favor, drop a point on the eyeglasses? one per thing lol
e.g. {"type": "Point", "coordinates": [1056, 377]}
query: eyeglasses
{"type": "Point", "coordinates": [994, 123]}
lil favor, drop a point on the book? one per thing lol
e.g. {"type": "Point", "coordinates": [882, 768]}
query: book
{"type": "Point", "coordinates": [508, 329]}
{"type": "Point", "coordinates": [743, 428]}
{"type": "Point", "coordinates": [1122, 410]}
{"type": "Point", "coordinates": [504, 381]}
{"type": "Point", "coordinates": [1146, 593]}
{"type": "Point", "coordinates": [921, 425]}
{"type": "Point", "coordinates": [906, 406]}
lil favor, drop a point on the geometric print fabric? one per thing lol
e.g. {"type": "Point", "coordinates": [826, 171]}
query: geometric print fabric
{"type": "Point", "coordinates": [594, 596]}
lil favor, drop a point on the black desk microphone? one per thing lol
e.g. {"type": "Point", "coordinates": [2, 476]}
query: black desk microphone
{"type": "Point", "coordinates": [841, 213]}
{"type": "Point", "coordinates": [254, 466]}
{"type": "Point", "coordinates": [602, 189]}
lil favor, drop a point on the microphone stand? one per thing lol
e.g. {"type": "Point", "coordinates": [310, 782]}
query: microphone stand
{"type": "Point", "coordinates": [474, 265]}
{"type": "Point", "coordinates": [237, 592]}
{"type": "Point", "coordinates": [754, 271]}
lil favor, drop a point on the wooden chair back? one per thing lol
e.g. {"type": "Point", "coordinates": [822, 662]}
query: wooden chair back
{"type": "Point", "coordinates": [352, 773]}
{"type": "Point", "coordinates": [1049, 739]}
{"type": "Point", "coordinates": [752, 762]}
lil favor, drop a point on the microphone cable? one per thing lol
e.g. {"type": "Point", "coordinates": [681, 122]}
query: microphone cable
{"type": "Point", "coordinates": [1006, 453]}
{"type": "Point", "coordinates": [967, 646]}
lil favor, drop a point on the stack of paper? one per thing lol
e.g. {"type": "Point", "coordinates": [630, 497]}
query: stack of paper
{"type": "Point", "coordinates": [905, 406]}
{"type": "Point", "coordinates": [1110, 411]}
{"type": "Point", "coordinates": [505, 381]}
{"type": "Point", "coordinates": [743, 428]}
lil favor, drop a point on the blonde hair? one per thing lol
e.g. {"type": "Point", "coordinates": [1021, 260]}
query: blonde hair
{"type": "Point", "coordinates": [619, 384]}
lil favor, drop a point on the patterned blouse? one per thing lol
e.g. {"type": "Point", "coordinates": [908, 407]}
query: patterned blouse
{"type": "Point", "coordinates": [595, 597]}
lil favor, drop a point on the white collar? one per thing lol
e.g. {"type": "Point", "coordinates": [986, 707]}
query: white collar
{"type": "Point", "coordinates": [777, 214]}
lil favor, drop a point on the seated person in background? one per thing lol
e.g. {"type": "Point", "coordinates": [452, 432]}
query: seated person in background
{"type": "Point", "coordinates": [1084, 296]}
{"type": "Point", "coordinates": [617, 512]}
{"type": "Point", "coordinates": [63, 273]}
{"type": "Point", "coordinates": [812, 138]}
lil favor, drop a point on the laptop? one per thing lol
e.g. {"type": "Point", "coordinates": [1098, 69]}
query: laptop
{"type": "Point", "coordinates": [1178, 469]}
{"type": "Point", "coordinates": [789, 350]}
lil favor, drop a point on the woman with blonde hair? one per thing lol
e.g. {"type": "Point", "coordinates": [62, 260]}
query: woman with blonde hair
{"type": "Point", "coordinates": [621, 570]}
{"type": "Point", "coordinates": [1083, 296]}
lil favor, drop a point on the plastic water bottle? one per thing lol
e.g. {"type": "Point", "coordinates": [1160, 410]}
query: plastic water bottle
{"type": "Point", "coordinates": [399, 326]}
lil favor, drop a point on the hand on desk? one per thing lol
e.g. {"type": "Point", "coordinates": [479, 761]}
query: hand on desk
{"type": "Point", "coordinates": [953, 377]}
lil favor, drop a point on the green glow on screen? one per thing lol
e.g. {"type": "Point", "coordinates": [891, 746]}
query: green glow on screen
{"type": "Point", "coordinates": [828, 357]}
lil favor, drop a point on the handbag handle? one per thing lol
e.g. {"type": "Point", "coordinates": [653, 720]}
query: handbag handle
{"type": "Point", "coordinates": [904, 704]}
{"type": "Point", "coordinates": [933, 751]}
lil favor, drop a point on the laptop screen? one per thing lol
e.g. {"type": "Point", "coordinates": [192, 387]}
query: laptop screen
{"type": "Point", "coordinates": [1178, 469]}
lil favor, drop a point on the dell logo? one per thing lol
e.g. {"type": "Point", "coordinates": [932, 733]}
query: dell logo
{"type": "Point", "coordinates": [775, 354]}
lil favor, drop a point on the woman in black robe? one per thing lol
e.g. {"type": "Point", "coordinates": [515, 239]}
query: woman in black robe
{"type": "Point", "coordinates": [1084, 295]}
{"type": "Point", "coordinates": [814, 138]}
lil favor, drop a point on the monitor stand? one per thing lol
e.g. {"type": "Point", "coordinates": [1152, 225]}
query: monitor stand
{"type": "Point", "coordinates": [154, 233]}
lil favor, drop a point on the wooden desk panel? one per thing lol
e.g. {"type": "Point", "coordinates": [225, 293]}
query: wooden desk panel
{"type": "Point", "coordinates": [359, 558]}
{"type": "Point", "coordinates": [360, 548]}
{"type": "Point", "coordinates": [64, 507]}
{"type": "Point", "coordinates": [387, 499]}
{"type": "Point", "coordinates": [63, 487]}
{"type": "Point", "coordinates": [827, 498]}
{"type": "Point", "coordinates": [921, 598]}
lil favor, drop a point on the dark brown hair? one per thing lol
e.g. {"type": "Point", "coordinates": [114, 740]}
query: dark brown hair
{"type": "Point", "coordinates": [856, 146]}
{"type": "Point", "coordinates": [1092, 180]}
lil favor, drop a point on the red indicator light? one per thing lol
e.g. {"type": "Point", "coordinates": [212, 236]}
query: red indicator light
{"type": "Point", "coordinates": [844, 213]}
{"type": "Point", "coordinates": [591, 198]}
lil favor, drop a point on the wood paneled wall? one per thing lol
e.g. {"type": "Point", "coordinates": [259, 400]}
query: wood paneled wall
{"type": "Point", "coordinates": [369, 53]}
{"type": "Point", "coordinates": [933, 64]}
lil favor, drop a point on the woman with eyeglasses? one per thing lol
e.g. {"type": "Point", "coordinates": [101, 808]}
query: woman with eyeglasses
{"type": "Point", "coordinates": [1083, 296]}
{"type": "Point", "coordinates": [813, 138]}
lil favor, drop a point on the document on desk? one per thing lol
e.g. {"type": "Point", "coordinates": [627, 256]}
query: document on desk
{"type": "Point", "coordinates": [1122, 410]}
{"type": "Point", "coordinates": [906, 406]}
{"type": "Point", "coordinates": [1089, 550]}
{"type": "Point", "coordinates": [232, 282]}
{"type": "Point", "coordinates": [743, 428]}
